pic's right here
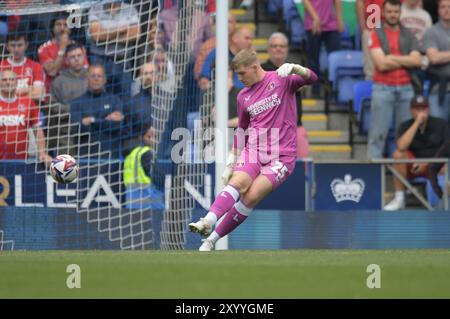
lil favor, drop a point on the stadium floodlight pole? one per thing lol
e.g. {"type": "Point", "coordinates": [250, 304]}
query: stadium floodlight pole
{"type": "Point", "coordinates": [221, 97]}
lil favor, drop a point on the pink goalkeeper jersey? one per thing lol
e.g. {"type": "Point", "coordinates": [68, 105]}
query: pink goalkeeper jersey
{"type": "Point", "coordinates": [268, 110]}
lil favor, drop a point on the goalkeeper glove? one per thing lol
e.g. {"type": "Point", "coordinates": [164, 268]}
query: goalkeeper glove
{"type": "Point", "coordinates": [229, 169]}
{"type": "Point", "coordinates": [291, 68]}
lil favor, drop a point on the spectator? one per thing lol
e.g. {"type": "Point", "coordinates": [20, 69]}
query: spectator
{"type": "Point", "coordinates": [99, 114]}
{"type": "Point", "coordinates": [72, 82]}
{"type": "Point", "coordinates": [416, 19]}
{"type": "Point", "coordinates": [419, 137]}
{"type": "Point", "coordinates": [240, 39]}
{"type": "Point", "coordinates": [113, 31]}
{"type": "Point", "coordinates": [392, 90]}
{"type": "Point", "coordinates": [278, 53]}
{"type": "Point", "coordinates": [151, 39]}
{"type": "Point", "coordinates": [30, 76]}
{"type": "Point", "coordinates": [168, 20]}
{"type": "Point", "coordinates": [323, 23]}
{"type": "Point", "coordinates": [437, 46]}
{"type": "Point", "coordinates": [209, 45]}
{"type": "Point", "coordinates": [52, 53]}
{"type": "Point", "coordinates": [138, 112]}
{"type": "Point", "coordinates": [17, 115]}
{"type": "Point", "coordinates": [367, 21]}
{"type": "Point", "coordinates": [141, 192]}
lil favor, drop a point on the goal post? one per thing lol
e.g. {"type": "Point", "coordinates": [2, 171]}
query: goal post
{"type": "Point", "coordinates": [122, 218]}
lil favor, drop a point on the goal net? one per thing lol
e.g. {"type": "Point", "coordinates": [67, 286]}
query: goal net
{"type": "Point", "coordinates": [125, 80]}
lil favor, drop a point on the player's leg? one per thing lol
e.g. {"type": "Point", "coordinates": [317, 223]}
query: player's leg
{"type": "Point", "coordinates": [259, 189]}
{"type": "Point", "coordinates": [239, 183]}
{"type": "Point", "coordinates": [246, 169]}
{"type": "Point", "coordinates": [272, 176]}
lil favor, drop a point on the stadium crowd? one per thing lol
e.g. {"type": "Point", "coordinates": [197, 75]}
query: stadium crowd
{"type": "Point", "coordinates": [93, 86]}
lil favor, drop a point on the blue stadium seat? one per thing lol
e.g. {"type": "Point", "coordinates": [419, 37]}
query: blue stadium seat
{"type": "Point", "coordinates": [346, 38]}
{"type": "Point", "coordinates": [432, 198]}
{"type": "Point", "coordinates": [362, 94]}
{"type": "Point", "coordinates": [345, 68]}
{"type": "Point", "coordinates": [42, 119]}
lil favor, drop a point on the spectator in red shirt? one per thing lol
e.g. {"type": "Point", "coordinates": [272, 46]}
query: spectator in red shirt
{"type": "Point", "coordinates": [30, 76]}
{"type": "Point", "coordinates": [17, 115]}
{"type": "Point", "coordinates": [52, 53]}
{"type": "Point", "coordinates": [368, 13]}
{"type": "Point", "coordinates": [392, 90]}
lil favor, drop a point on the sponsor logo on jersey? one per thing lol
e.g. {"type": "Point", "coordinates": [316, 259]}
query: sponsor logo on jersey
{"type": "Point", "coordinates": [12, 120]}
{"type": "Point", "coordinates": [264, 104]}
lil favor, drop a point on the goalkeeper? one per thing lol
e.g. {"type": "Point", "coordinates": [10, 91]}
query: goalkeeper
{"type": "Point", "coordinates": [267, 109]}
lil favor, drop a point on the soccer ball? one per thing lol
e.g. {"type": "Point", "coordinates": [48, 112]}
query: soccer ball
{"type": "Point", "coordinates": [64, 169]}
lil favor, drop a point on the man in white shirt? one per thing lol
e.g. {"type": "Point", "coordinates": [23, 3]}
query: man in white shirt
{"type": "Point", "coordinates": [415, 18]}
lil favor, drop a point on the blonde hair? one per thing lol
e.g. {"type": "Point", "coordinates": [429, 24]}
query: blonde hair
{"type": "Point", "coordinates": [244, 57]}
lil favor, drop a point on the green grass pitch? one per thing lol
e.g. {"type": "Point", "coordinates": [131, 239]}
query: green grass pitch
{"type": "Point", "coordinates": [226, 274]}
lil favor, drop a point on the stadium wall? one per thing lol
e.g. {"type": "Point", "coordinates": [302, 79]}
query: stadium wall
{"type": "Point", "coordinates": [41, 215]}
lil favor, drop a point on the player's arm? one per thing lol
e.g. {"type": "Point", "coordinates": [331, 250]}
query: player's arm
{"type": "Point", "coordinates": [239, 140]}
{"type": "Point", "coordinates": [305, 76]}
{"type": "Point", "coordinates": [291, 68]}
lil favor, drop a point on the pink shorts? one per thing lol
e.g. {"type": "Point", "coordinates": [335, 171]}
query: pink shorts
{"type": "Point", "coordinates": [277, 171]}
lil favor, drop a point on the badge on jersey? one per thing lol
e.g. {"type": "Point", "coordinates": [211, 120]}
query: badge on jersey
{"type": "Point", "coordinates": [271, 86]}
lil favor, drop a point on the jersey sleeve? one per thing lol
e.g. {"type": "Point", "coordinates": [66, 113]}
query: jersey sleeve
{"type": "Point", "coordinates": [294, 82]}
{"type": "Point", "coordinates": [239, 139]}
{"type": "Point", "coordinates": [430, 40]}
{"type": "Point", "coordinates": [38, 74]}
{"type": "Point", "coordinates": [44, 55]}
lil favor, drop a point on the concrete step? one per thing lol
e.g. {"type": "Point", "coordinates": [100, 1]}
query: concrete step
{"type": "Point", "coordinates": [314, 122]}
{"type": "Point", "coordinates": [249, 25]}
{"type": "Point", "coordinates": [264, 29]}
{"type": "Point", "coordinates": [260, 44]}
{"type": "Point", "coordinates": [240, 14]}
{"type": "Point", "coordinates": [329, 152]}
{"type": "Point", "coordinates": [263, 56]}
{"type": "Point", "coordinates": [313, 106]}
{"type": "Point", "coordinates": [328, 137]}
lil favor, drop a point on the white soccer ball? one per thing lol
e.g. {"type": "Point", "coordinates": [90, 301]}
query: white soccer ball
{"type": "Point", "coordinates": [64, 169]}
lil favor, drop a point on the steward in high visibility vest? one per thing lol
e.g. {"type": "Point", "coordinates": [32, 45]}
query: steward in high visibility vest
{"type": "Point", "coordinates": [140, 193]}
{"type": "Point", "coordinates": [134, 173]}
